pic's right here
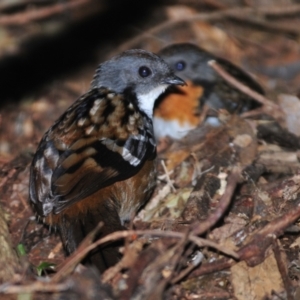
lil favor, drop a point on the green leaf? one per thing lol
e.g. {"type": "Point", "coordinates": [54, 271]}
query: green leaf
{"type": "Point", "coordinates": [44, 266]}
{"type": "Point", "coordinates": [21, 250]}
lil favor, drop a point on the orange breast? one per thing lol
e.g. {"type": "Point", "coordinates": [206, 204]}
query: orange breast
{"type": "Point", "coordinates": [183, 106]}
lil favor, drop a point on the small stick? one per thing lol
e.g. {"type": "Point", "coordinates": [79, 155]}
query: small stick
{"type": "Point", "coordinates": [28, 16]}
{"type": "Point", "coordinates": [268, 106]}
{"type": "Point", "coordinates": [283, 270]}
{"type": "Point", "coordinates": [24, 202]}
{"type": "Point", "coordinates": [66, 267]}
{"type": "Point", "coordinates": [265, 236]}
{"type": "Point", "coordinates": [211, 267]}
{"type": "Point", "coordinates": [185, 272]}
{"type": "Point", "coordinates": [199, 228]}
{"type": "Point", "coordinates": [169, 181]}
{"type": "Point", "coordinates": [38, 286]}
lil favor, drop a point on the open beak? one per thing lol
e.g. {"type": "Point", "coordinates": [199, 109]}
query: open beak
{"type": "Point", "coordinates": [173, 79]}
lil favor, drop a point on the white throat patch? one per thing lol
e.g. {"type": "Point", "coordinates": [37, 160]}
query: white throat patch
{"type": "Point", "coordinates": [146, 101]}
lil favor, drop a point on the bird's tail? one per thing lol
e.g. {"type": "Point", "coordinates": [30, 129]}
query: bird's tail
{"type": "Point", "coordinates": [73, 231]}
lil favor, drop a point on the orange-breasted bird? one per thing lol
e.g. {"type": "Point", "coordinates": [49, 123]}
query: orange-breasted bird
{"type": "Point", "coordinates": [178, 110]}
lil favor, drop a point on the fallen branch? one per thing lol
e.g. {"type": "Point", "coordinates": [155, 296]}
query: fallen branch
{"type": "Point", "coordinates": [254, 251]}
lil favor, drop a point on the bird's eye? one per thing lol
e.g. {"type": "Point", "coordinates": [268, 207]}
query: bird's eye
{"type": "Point", "coordinates": [144, 71]}
{"type": "Point", "coordinates": [180, 65]}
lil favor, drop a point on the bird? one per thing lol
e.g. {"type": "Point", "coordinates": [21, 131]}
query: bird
{"type": "Point", "coordinates": [178, 110]}
{"type": "Point", "coordinates": [96, 162]}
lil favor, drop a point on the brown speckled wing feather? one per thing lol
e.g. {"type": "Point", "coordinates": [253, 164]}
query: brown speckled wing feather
{"type": "Point", "coordinates": [89, 148]}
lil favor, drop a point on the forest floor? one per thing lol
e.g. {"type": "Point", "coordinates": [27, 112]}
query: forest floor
{"type": "Point", "coordinates": [223, 220]}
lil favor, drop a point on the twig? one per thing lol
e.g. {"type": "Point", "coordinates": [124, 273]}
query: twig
{"type": "Point", "coordinates": [212, 3]}
{"type": "Point", "coordinates": [253, 252]}
{"type": "Point", "coordinates": [245, 39]}
{"type": "Point", "coordinates": [146, 257]}
{"type": "Point", "coordinates": [261, 22]}
{"type": "Point", "coordinates": [199, 228]}
{"type": "Point", "coordinates": [131, 253]}
{"type": "Point", "coordinates": [169, 181]}
{"type": "Point", "coordinates": [280, 10]}
{"type": "Point", "coordinates": [10, 5]}
{"type": "Point", "coordinates": [162, 193]}
{"type": "Point", "coordinates": [150, 269]}
{"type": "Point", "coordinates": [283, 270]}
{"type": "Point", "coordinates": [185, 272]}
{"type": "Point", "coordinates": [178, 251]}
{"type": "Point", "coordinates": [259, 111]}
{"type": "Point", "coordinates": [42, 13]}
{"type": "Point", "coordinates": [75, 258]}
{"type": "Point", "coordinates": [10, 174]}
{"type": "Point", "coordinates": [69, 265]}
{"type": "Point", "coordinates": [24, 202]}
{"type": "Point", "coordinates": [215, 16]}
{"type": "Point", "coordinates": [165, 25]}
{"type": "Point", "coordinates": [268, 106]}
{"type": "Point", "coordinates": [215, 295]}
{"type": "Point", "coordinates": [38, 286]}
{"type": "Point", "coordinates": [56, 249]}
{"type": "Point", "coordinates": [207, 268]}
{"type": "Point", "coordinates": [207, 3]}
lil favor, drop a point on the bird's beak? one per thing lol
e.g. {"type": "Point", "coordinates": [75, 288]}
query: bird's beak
{"type": "Point", "coordinates": [173, 79]}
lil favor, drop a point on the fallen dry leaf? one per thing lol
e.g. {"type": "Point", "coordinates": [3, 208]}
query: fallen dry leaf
{"type": "Point", "coordinates": [252, 283]}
